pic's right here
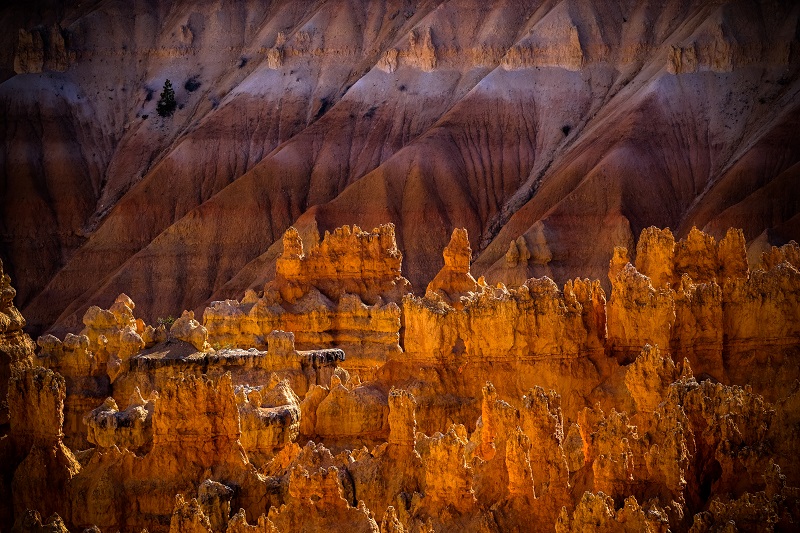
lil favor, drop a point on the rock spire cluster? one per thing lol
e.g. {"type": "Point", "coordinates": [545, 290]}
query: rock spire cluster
{"type": "Point", "coordinates": [337, 398]}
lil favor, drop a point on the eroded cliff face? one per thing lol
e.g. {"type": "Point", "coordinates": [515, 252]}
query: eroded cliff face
{"type": "Point", "coordinates": [672, 406]}
{"type": "Point", "coordinates": [545, 124]}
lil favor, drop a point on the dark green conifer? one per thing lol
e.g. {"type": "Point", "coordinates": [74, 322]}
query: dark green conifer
{"type": "Point", "coordinates": [166, 104]}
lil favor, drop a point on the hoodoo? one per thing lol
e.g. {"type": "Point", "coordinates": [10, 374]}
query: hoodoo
{"type": "Point", "coordinates": [669, 406]}
{"type": "Point", "coordinates": [405, 266]}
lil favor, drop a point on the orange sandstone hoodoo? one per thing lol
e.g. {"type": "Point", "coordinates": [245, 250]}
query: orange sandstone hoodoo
{"type": "Point", "coordinates": [338, 399]}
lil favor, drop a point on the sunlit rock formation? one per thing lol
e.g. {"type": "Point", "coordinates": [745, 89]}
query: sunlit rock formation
{"type": "Point", "coordinates": [535, 333]}
{"type": "Point", "coordinates": [343, 291]}
{"type": "Point", "coordinates": [708, 307]}
{"type": "Point", "coordinates": [16, 347]}
{"type": "Point", "coordinates": [593, 323]}
{"type": "Point", "coordinates": [673, 406]}
{"type": "Point", "coordinates": [131, 428]}
{"type": "Point", "coordinates": [42, 466]}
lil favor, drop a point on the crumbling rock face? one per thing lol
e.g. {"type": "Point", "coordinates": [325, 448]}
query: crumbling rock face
{"type": "Point", "coordinates": [347, 261]}
{"type": "Point", "coordinates": [114, 331]}
{"type": "Point", "coordinates": [41, 49]}
{"type": "Point", "coordinates": [36, 403]}
{"type": "Point", "coordinates": [238, 524]}
{"type": "Point", "coordinates": [788, 253]}
{"type": "Point", "coordinates": [151, 370]}
{"type": "Point", "coordinates": [197, 413]}
{"type": "Point", "coordinates": [543, 423]}
{"type": "Point", "coordinates": [215, 499]}
{"type": "Point", "coordinates": [352, 413]}
{"type": "Point", "coordinates": [707, 307]}
{"type": "Point", "coordinates": [638, 313]}
{"type": "Point", "coordinates": [16, 358]}
{"type": "Point", "coordinates": [649, 378]}
{"type": "Point", "coordinates": [187, 329]}
{"type": "Point", "coordinates": [764, 306]}
{"type": "Point", "coordinates": [42, 478]}
{"type": "Point", "coordinates": [784, 432]}
{"type": "Point", "coordinates": [193, 417]}
{"type": "Point", "coordinates": [611, 447]}
{"type": "Point", "coordinates": [86, 378]}
{"type": "Point", "coordinates": [16, 347]}
{"type": "Point", "coordinates": [270, 417]}
{"type": "Point", "coordinates": [402, 420]}
{"type": "Point", "coordinates": [320, 495]}
{"type": "Point", "coordinates": [421, 52]}
{"type": "Point", "coordinates": [188, 516]}
{"type": "Point", "coordinates": [499, 331]}
{"type": "Point", "coordinates": [699, 331]}
{"type": "Point", "coordinates": [665, 261]}
{"type": "Point", "coordinates": [677, 294]}
{"type": "Point", "coordinates": [536, 320]}
{"type": "Point", "coordinates": [773, 509]}
{"type": "Point", "coordinates": [131, 428]}
{"type": "Point", "coordinates": [342, 291]}
{"type": "Point", "coordinates": [446, 453]}
{"type": "Point", "coordinates": [515, 270]}
{"type": "Point", "coordinates": [454, 280]}
{"type": "Point", "coordinates": [655, 255]}
{"type": "Point", "coordinates": [597, 512]}
{"type": "Point", "coordinates": [91, 361]}
{"type": "Point", "coordinates": [31, 522]}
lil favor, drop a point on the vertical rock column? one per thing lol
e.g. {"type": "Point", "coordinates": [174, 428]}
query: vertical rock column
{"type": "Point", "coordinates": [402, 422]}
{"type": "Point", "coordinates": [16, 347]}
{"type": "Point", "coordinates": [36, 404]}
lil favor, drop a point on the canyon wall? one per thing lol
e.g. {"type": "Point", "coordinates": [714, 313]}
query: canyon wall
{"type": "Point", "coordinates": [566, 127]}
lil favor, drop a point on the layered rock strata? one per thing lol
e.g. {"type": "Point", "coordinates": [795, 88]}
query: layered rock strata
{"type": "Point", "coordinates": [343, 291]}
{"type": "Point", "coordinates": [696, 298]}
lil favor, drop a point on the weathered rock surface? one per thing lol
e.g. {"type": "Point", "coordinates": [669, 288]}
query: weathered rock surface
{"type": "Point", "coordinates": [16, 347]}
{"type": "Point", "coordinates": [42, 466]}
{"type": "Point", "coordinates": [270, 417]}
{"type": "Point", "coordinates": [16, 355]}
{"type": "Point", "coordinates": [426, 113]}
{"type": "Point", "coordinates": [131, 428]}
{"type": "Point", "coordinates": [342, 292]}
{"type": "Point", "coordinates": [454, 280]}
{"type": "Point", "coordinates": [673, 406]}
{"type": "Point", "coordinates": [193, 418]}
{"type": "Point", "coordinates": [660, 392]}
{"type": "Point", "coordinates": [707, 307]}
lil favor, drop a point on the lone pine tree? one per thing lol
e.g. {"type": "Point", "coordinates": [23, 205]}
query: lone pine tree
{"type": "Point", "coordinates": [166, 103]}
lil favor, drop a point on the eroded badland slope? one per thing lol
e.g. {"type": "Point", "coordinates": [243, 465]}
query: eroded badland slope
{"type": "Point", "coordinates": [573, 125]}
